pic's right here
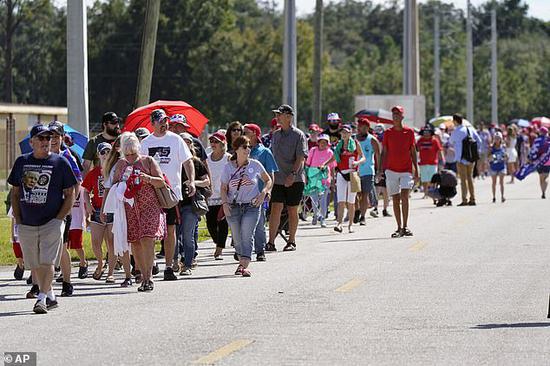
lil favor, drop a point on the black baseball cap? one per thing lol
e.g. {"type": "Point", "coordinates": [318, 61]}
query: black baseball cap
{"type": "Point", "coordinates": [40, 129]}
{"type": "Point", "coordinates": [110, 117]}
{"type": "Point", "coordinates": [57, 127]}
{"type": "Point", "coordinates": [284, 109]}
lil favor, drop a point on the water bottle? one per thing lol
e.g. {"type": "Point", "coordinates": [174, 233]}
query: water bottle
{"type": "Point", "coordinates": [138, 179]}
{"type": "Point", "coordinates": [127, 173]}
{"type": "Point", "coordinates": [351, 161]}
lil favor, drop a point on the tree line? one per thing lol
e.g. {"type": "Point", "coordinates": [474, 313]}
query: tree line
{"type": "Point", "coordinates": [225, 56]}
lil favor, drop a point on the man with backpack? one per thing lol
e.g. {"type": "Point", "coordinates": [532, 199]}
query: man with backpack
{"type": "Point", "coordinates": [466, 142]}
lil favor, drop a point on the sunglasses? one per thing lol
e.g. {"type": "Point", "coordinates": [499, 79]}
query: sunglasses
{"type": "Point", "coordinates": [214, 141]}
{"type": "Point", "coordinates": [104, 151]}
{"type": "Point", "coordinates": [237, 130]}
{"type": "Point", "coordinates": [44, 137]}
{"type": "Point", "coordinates": [113, 122]}
{"type": "Point", "coordinates": [245, 147]}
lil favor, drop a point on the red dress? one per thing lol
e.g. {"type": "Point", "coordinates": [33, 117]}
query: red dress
{"type": "Point", "coordinates": [145, 219]}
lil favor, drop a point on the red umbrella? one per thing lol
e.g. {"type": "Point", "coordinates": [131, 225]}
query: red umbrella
{"type": "Point", "coordinates": [541, 121]}
{"type": "Point", "coordinates": [376, 115]}
{"type": "Point", "coordinates": [141, 116]}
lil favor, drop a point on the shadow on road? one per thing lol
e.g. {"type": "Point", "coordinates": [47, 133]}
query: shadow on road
{"type": "Point", "coordinates": [190, 278]}
{"type": "Point", "coordinates": [103, 293]}
{"type": "Point", "coordinates": [511, 325]}
{"type": "Point", "coordinates": [15, 313]}
{"type": "Point", "coordinates": [353, 239]}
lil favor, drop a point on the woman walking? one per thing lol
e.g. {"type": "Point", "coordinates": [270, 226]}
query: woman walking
{"type": "Point", "coordinates": [511, 142]}
{"type": "Point", "coordinates": [241, 199]}
{"type": "Point", "coordinates": [348, 156]}
{"type": "Point", "coordinates": [145, 219]}
{"type": "Point", "coordinates": [497, 165]}
{"type": "Point", "coordinates": [215, 219]}
{"type": "Point", "coordinates": [189, 217]}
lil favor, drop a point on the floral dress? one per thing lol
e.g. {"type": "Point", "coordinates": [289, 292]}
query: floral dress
{"type": "Point", "coordinates": [145, 219]}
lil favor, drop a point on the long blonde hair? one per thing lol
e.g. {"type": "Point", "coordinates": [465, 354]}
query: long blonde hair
{"type": "Point", "coordinates": [112, 158]}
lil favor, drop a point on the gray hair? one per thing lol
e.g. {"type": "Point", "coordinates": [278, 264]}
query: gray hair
{"type": "Point", "coordinates": [129, 143]}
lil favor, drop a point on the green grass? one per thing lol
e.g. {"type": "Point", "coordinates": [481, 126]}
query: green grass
{"type": "Point", "coordinates": [6, 251]}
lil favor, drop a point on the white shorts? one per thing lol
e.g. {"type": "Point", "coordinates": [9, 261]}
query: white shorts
{"type": "Point", "coordinates": [395, 182]}
{"type": "Point", "coordinates": [343, 190]}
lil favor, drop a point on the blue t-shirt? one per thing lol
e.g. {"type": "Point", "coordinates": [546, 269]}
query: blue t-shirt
{"type": "Point", "coordinates": [265, 157]}
{"type": "Point", "coordinates": [41, 183]}
{"type": "Point", "coordinates": [367, 168]}
{"type": "Point", "coordinates": [497, 160]}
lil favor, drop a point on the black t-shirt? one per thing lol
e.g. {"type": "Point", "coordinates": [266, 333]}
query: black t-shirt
{"type": "Point", "coordinates": [90, 152]}
{"type": "Point", "coordinates": [200, 171]}
{"type": "Point", "coordinates": [335, 136]}
{"type": "Point", "coordinates": [199, 149]}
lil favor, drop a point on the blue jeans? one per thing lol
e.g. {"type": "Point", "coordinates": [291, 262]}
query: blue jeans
{"type": "Point", "coordinates": [320, 203]}
{"type": "Point", "coordinates": [243, 221]}
{"type": "Point", "coordinates": [259, 235]}
{"type": "Point", "coordinates": [187, 234]}
{"type": "Point", "coordinates": [367, 187]}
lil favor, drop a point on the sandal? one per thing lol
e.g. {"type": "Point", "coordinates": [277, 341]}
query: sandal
{"type": "Point", "coordinates": [338, 228]}
{"type": "Point", "coordinates": [351, 230]}
{"type": "Point", "coordinates": [98, 273]}
{"type": "Point", "coordinates": [406, 232]}
{"type": "Point", "coordinates": [290, 247]}
{"type": "Point", "coordinates": [138, 277]}
{"type": "Point", "coordinates": [110, 279]}
{"type": "Point", "coordinates": [270, 247]}
{"type": "Point", "coordinates": [397, 234]}
{"type": "Point", "coordinates": [246, 273]}
{"type": "Point", "coordinates": [239, 270]}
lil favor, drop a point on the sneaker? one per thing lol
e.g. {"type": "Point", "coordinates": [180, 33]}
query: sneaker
{"type": "Point", "coordinates": [385, 213]}
{"type": "Point", "coordinates": [33, 292]}
{"type": "Point", "coordinates": [18, 272]}
{"type": "Point", "coordinates": [260, 257]}
{"type": "Point", "coordinates": [362, 221]}
{"type": "Point", "coordinates": [59, 279]}
{"type": "Point", "coordinates": [29, 280]}
{"type": "Point", "coordinates": [156, 270]}
{"type": "Point", "coordinates": [374, 213]}
{"type": "Point", "coordinates": [472, 203]}
{"type": "Point", "coordinates": [323, 223]}
{"type": "Point", "coordinates": [270, 247]}
{"type": "Point", "coordinates": [67, 289]}
{"type": "Point", "coordinates": [40, 307]}
{"type": "Point", "coordinates": [126, 283]}
{"type": "Point", "coordinates": [51, 304]}
{"type": "Point", "coordinates": [314, 220]}
{"type": "Point", "coordinates": [543, 196]}
{"type": "Point", "coordinates": [169, 274]}
{"type": "Point", "coordinates": [82, 272]}
{"type": "Point", "coordinates": [194, 263]}
{"type": "Point", "coordinates": [186, 271]}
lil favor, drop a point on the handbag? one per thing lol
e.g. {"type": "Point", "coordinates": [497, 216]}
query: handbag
{"type": "Point", "coordinates": [355, 181]}
{"type": "Point", "coordinates": [166, 196]}
{"type": "Point", "coordinates": [199, 204]}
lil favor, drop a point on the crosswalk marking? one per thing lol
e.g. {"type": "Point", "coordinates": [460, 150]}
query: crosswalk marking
{"type": "Point", "coordinates": [225, 351]}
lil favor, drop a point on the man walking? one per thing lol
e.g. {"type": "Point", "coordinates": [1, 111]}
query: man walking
{"type": "Point", "coordinates": [465, 164]}
{"type": "Point", "coordinates": [265, 157]}
{"type": "Point", "coordinates": [398, 159]}
{"type": "Point", "coordinates": [111, 129]}
{"type": "Point", "coordinates": [371, 153]}
{"type": "Point", "coordinates": [171, 152]}
{"type": "Point", "coordinates": [41, 210]}
{"type": "Point", "coordinates": [289, 147]}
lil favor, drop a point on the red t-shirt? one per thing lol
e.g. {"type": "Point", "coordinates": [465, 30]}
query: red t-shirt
{"type": "Point", "coordinates": [397, 146]}
{"type": "Point", "coordinates": [93, 183]}
{"type": "Point", "coordinates": [345, 159]}
{"type": "Point", "coordinates": [428, 149]}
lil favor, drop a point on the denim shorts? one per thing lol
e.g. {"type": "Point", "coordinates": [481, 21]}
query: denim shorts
{"type": "Point", "coordinates": [95, 217]}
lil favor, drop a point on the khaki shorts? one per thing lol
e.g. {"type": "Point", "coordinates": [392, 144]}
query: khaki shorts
{"type": "Point", "coordinates": [42, 244]}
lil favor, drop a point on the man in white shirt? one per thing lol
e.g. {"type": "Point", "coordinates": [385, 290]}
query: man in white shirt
{"type": "Point", "coordinates": [171, 153]}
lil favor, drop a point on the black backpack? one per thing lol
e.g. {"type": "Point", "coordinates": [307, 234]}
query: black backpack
{"type": "Point", "coordinates": [469, 148]}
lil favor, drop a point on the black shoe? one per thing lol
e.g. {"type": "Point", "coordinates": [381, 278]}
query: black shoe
{"type": "Point", "coordinates": [270, 247]}
{"type": "Point", "coordinates": [160, 254]}
{"type": "Point", "coordinates": [449, 203]}
{"type": "Point", "coordinates": [40, 307]}
{"type": "Point", "coordinates": [261, 257]}
{"type": "Point", "coordinates": [302, 216]}
{"type": "Point", "coordinates": [440, 203]}
{"type": "Point", "coordinates": [18, 272]}
{"type": "Point", "coordinates": [462, 204]}
{"type": "Point", "coordinates": [149, 286]}
{"type": "Point", "coordinates": [67, 289]}
{"type": "Point", "coordinates": [236, 257]}
{"type": "Point", "coordinates": [59, 279]}
{"type": "Point", "coordinates": [33, 292]}
{"type": "Point", "coordinates": [126, 283]}
{"type": "Point", "coordinates": [169, 274]}
{"type": "Point", "coordinates": [51, 304]}
{"type": "Point", "coordinates": [156, 270]}
{"type": "Point", "coordinates": [362, 221]}
{"type": "Point", "coordinates": [543, 196]}
{"type": "Point", "coordinates": [290, 247]}
{"type": "Point", "coordinates": [82, 272]}
{"type": "Point", "coordinates": [385, 213]}
{"type": "Point", "coordinates": [142, 287]}
{"type": "Point", "coordinates": [472, 203]}
{"type": "Point", "coordinates": [357, 217]}
{"type": "Point", "coordinates": [29, 280]}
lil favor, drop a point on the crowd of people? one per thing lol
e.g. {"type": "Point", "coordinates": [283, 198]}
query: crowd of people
{"type": "Point", "coordinates": [133, 189]}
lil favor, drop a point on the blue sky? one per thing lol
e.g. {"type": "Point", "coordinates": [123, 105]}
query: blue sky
{"type": "Point", "coordinates": [537, 8]}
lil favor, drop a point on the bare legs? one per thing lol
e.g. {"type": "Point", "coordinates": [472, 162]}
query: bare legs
{"type": "Point", "coordinates": [401, 208]}
{"type": "Point", "coordinates": [543, 180]}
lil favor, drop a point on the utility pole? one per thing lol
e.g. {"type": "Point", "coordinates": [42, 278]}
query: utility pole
{"type": "Point", "coordinates": [289, 57]}
{"type": "Point", "coordinates": [318, 62]}
{"type": "Point", "coordinates": [437, 71]}
{"type": "Point", "coordinates": [77, 66]}
{"type": "Point", "coordinates": [494, 68]}
{"type": "Point", "coordinates": [411, 56]}
{"type": "Point", "coordinates": [147, 60]}
{"type": "Point", "coordinates": [469, 66]}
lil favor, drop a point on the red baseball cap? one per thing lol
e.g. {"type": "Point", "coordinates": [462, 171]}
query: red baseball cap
{"type": "Point", "coordinates": [218, 136]}
{"type": "Point", "coordinates": [363, 121]}
{"type": "Point", "coordinates": [315, 127]}
{"type": "Point", "coordinates": [399, 109]}
{"type": "Point", "coordinates": [254, 128]}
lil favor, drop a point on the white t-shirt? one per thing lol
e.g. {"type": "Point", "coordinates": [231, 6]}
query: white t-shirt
{"type": "Point", "coordinates": [78, 213]}
{"type": "Point", "coordinates": [170, 152]}
{"type": "Point", "coordinates": [216, 170]}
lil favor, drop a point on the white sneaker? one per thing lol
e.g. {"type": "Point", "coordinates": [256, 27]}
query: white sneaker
{"type": "Point", "coordinates": [323, 224]}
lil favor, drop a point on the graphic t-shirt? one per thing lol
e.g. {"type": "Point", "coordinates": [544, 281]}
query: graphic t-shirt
{"type": "Point", "coordinates": [78, 213]}
{"type": "Point", "coordinates": [41, 183]}
{"type": "Point", "coordinates": [498, 158]}
{"type": "Point", "coordinates": [242, 181]}
{"type": "Point", "coordinates": [94, 183]}
{"type": "Point", "coordinates": [428, 148]}
{"type": "Point", "coordinates": [397, 145]}
{"type": "Point", "coordinates": [170, 152]}
{"type": "Point", "coordinates": [216, 168]}
{"type": "Point", "coordinates": [90, 152]}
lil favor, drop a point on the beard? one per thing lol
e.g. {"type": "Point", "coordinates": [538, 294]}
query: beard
{"type": "Point", "coordinates": [334, 126]}
{"type": "Point", "coordinates": [113, 131]}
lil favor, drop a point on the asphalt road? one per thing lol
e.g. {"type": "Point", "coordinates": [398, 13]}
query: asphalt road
{"type": "Point", "coordinates": [471, 287]}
